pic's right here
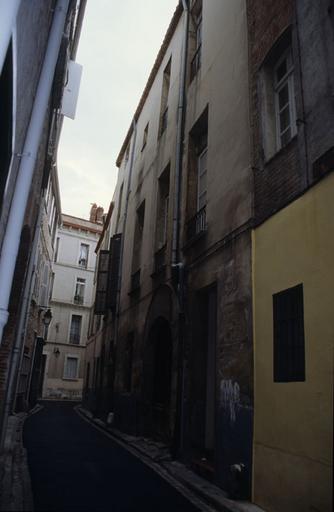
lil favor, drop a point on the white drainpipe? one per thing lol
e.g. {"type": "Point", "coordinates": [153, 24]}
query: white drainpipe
{"type": "Point", "coordinates": [11, 240]}
{"type": "Point", "coordinates": [8, 13]}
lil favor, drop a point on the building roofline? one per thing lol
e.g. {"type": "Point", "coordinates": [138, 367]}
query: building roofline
{"type": "Point", "coordinates": [162, 52]}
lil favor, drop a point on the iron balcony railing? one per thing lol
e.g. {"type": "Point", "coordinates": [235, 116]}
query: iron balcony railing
{"type": "Point", "coordinates": [78, 299]}
{"type": "Point", "coordinates": [196, 225]}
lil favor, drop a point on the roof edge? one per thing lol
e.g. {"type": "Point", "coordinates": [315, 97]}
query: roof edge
{"type": "Point", "coordinates": [162, 52]}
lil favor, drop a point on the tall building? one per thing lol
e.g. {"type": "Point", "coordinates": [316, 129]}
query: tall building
{"type": "Point", "coordinates": [71, 300]}
{"type": "Point", "coordinates": [38, 45]}
{"type": "Point", "coordinates": [212, 328]}
{"type": "Point", "coordinates": [176, 334]}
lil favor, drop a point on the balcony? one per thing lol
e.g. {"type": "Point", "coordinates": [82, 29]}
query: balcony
{"type": "Point", "coordinates": [196, 226]}
{"type": "Point", "coordinates": [78, 299]}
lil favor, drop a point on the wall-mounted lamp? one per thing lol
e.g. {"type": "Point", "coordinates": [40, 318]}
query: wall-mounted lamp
{"type": "Point", "coordinates": [56, 351]}
{"type": "Point", "coordinates": [47, 317]}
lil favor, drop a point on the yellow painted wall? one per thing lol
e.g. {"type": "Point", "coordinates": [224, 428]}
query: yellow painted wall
{"type": "Point", "coordinates": [293, 431]}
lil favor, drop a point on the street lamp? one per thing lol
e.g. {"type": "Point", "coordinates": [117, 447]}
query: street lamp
{"type": "Point", "coordinates": [47, 317]}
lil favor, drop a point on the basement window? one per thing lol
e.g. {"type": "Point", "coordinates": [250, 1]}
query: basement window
{"type": "Point", "coordinates": [289, 341]}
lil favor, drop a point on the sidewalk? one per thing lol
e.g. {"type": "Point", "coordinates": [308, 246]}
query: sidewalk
{"type": "Point", "coordinates": [157, 456]}
{"type": "Point", "coordinates": [15, 485]}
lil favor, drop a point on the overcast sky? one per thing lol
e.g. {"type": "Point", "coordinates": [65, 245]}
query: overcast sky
{"type": "Point", "coordinates": [118, 46]}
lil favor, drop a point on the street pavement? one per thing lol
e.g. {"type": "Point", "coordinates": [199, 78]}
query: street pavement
{"type": "Point", "coordinates": [73, 466]}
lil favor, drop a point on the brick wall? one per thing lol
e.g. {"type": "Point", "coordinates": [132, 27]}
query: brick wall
{"type": "Point", "coordinates": [278, 180]}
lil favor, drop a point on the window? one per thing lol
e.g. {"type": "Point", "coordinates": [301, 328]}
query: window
{"type": "Point", "coordinates": [197, 182]}
{"type": "Point", "coordinates": [75, 329]}
{"type": "Point", "coordinates": [71, 367]}
{"type": "Point", "coordinates": [289, 344]}
{"type": "Point", "coordinates": [145, 136]}
{"type": "Point", "coordinates": [201, 180]}
{"type": "Point", "coordinates": [163, 208]}
{"type": "Point", "coordinates": [83, 256]}
{"type": "Point", "coordinates": [196, 42]}
{"type": "Point", "coordinates": [277, 97]}
{"type": "Point", "coordinates": [138, 237]}
{"type": "Point", "coordinates": [119, 206]}
{"type": "Point", "coordinates": [284, 100]}
{"type": "Point", "coordinates": [164, 98]}
{"type": "Point", "coordinates": [56, 249]}
{"type": "Point", "coordinates": [79, 295]}
{"type": "Point", "coordinates": [100, 305]}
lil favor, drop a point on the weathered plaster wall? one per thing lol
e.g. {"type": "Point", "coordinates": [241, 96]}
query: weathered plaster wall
{"type": "Point", "coordinates": [293, 442]}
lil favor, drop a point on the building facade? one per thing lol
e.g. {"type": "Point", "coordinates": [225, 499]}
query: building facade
{"type": "Point", "coordinates": [38, 297]}
{"type": "Point", "coordinates": [212, 324]}
{"type": "Point", "coordinates": [71, 301]}
{"type": "Point", "coordinates": [292, 80]}
{"type": "Point", "coordinates": [38, 40]}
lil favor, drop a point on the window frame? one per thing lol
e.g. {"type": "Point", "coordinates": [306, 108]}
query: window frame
{"type": "Point", "coordinates": [287, 79]}
{"type": "Point", "coordinates": [80, 282]}
{"type": "Point", "coordinates": [77, 358]}
{"type": "Point", "coordinates": [200, 174]}
{"type": "Point", "coordinates": [82, 244]}
{"type": "Point", "coordinates": [69, 330]}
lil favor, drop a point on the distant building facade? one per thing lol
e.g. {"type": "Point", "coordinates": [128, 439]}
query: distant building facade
{"type": "Point", "coordinates": [38, 297]}
{"type": "Point", "coordinates": [71, 301]}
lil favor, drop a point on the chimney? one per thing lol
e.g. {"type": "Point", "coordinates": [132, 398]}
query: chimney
{"type": "Point", "coordinates": [93, 210]}
{"type": "Point", "coordinates": [99, 214]}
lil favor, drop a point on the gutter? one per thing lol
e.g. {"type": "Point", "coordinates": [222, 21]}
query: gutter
{"type": "Point", "coordinates": [14, 226]}
{"type": "Point", "coordinates": [8, 14]}
{"type": "Point", "coordinates": [177, 263]}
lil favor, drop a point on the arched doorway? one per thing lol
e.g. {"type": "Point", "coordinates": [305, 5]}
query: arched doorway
{"type": "Point", "coordinates": [160, 352]}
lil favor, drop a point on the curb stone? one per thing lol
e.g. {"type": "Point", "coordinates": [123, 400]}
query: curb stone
{"type": "Point", "coordinates": [157, 456]}
{"type": "Point", "coordinates": [15, 484]}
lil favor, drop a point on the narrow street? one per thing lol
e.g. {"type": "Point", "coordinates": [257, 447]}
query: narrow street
{"type": "Point", "coordinates": [73, 466]}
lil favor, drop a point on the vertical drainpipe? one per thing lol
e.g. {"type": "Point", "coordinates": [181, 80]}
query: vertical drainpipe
{"type": "Point", "coordinates": [11, 240]}
{"type": "Point", "coordinates": [8, 14]}
{"type": "Point", "coordinates": [177, 264]}
{"type": "Point", "coordinates": [120, 270]}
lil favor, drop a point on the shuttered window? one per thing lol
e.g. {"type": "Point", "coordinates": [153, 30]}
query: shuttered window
{"type": "Point", "coordinates": [115, 254]}
{"type": "Point", "coordinates": [289, 342]}
{"type": "Point", "coordinates": [100, 307]}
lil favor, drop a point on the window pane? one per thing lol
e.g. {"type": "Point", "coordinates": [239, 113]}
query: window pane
{"type": "Point", "coordinates": [286, 137]}
{"type": "Point", "coordinates": [283, 96]}
{"type": "Point", "coordinates": [281, 70]}
{"type": "Point", "coordinates": [71, 368]}
{"type": "Point", "coordinates": [75, 329]}
{"type": "Point", "coordinates": [284, 119]}
{"type": "Point", "coordinates": [83, 257]}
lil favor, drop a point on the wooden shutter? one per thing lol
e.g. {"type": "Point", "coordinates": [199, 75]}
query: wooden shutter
{"type": "Point", "coordinates": [100, 307]}
{"type": "Point", "coordinates": [115, 251]}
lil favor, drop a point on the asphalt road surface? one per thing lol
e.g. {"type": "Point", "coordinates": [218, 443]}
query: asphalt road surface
{"type": "Point", "coordinates": [73, 466]}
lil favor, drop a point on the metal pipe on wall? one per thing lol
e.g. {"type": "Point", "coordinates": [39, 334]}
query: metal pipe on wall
{"type": "Point", "coordinates": [11, 240]}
